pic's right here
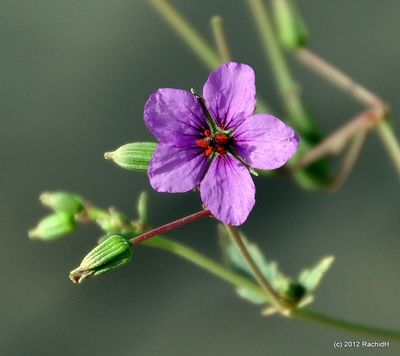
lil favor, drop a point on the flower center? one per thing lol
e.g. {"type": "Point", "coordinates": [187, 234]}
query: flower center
{"type": "Point", "coordinates": [214, 143]}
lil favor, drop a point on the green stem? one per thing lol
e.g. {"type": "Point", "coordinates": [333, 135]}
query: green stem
{"type": "Point", "coordinates": [194, 40]}
{"type": "Point", "coordinates": [350, 159]}
{"type": "Point", "coordinates": [385, 131]}
{"type": "Point", "coordinates": [239, 281]}
{"type": "Point", "coordinates": [269, 291]}
{"type": "Point", "coordinates": [339, 324]}
{"type": "Point", "coordinates": [335, 76]}
{"type": "Point", "coordinates": [217, 25]}
{"type": "Point", "coordinates": [204, 262]}
{"type": "Point", "coordinates": [287, 86]}
{"type": "Point", "coordinates": [93, 213]}
{"type": "Point", "coordinates": [343, 82]}
{"type": "Point", "coordinates": [188, 34]}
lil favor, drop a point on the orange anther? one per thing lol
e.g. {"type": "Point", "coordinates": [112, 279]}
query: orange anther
{"type": "Point", "coordinates": [222, 139]}
{"type": "Point", "coordinates": [202, 143]}
{"type": "Point", "coordinates": [208, 151]}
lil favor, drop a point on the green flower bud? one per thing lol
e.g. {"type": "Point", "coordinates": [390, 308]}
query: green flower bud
{"type": "Point", "coordinates": [110, 254]}
{"type": "Point", "coordinates": [133, 156]}
{"type": "Point", "coordinates": [62, 202]}
{"type": "Point", "coordinates": [113, 222]}
{"type": "Point", "coordinates": [295, 292]}
{"type": "Point", "coordinates": [53, 226]}
{"type": "Point", "coordinates": [292, 30]}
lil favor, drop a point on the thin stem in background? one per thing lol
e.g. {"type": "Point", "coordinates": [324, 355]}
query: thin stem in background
{"type": "Point", "coordinates": [360, 93]}
{"type": "Point", "coordinates": [336, 142]}
{"type": "Point", "coordinates": [217, 25]}
{"type": "Point", "coordinates": [191, 37]}
{"type": "Point", "coordinates": [387, 135]}
{"type": "Point", "coordinates": [337, 77]}
{"type": "Point", "coordinates": [288, 88]}
{"type": "Point", "coordinates": [221, 42]}
{"type": "Point", "coordinates": [206, 53]}
{"type": "Point", "coordinates": [269, 291]}
{"type": "Point", "coordinates": [350, 159]}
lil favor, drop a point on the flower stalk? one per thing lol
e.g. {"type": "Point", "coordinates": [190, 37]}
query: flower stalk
{"type": "Point", "coordinates": [275, 299]}
{"type": "Point", "coordinates": [237, 280]}
{"type": "Point", "coordinates": [171, 226]}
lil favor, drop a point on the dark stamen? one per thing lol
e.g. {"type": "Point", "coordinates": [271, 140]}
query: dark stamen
{"type": "Point", "coordinates": [210, 120]}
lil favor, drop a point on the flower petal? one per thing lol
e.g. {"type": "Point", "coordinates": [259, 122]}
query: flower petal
{"type": "Point", "coordinates": [265, 142]}
{"type": "Point", "coordinates": [175, 117]}
{"type": "Point", "coordinates": [228, 190]}
{"type": "Point", "coordinates": [175, 170]}
{"type": "Point", "coordinates": [230, 94]}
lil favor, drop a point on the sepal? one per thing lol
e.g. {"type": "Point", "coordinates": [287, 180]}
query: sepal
{"type": "Point", "coordinates": [133, 156]}
{"type": "Point", "coordinates": [113, 252]}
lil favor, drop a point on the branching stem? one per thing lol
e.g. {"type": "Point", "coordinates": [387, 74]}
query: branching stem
{"type": "Point", "coordinates": [360, 93]}
{"type": "Point", "coordinates": [238, 281]}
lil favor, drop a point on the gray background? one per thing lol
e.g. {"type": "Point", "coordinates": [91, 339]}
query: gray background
{"type": "Point", "coordinates": [74, 78]}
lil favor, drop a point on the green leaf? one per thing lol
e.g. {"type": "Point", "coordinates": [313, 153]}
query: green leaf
{"type": "Point", "coordinates": [133, 156]}
{"type": "Point", "coordinates": [249, 295]}
{"type": "Point", "coordinates": [299, 292]}
{"type": "Point", "coordinates": [311, 278]}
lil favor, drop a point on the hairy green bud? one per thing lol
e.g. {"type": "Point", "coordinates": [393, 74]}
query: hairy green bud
{"type": "Point", "coordinates": [62, 202]}
{"type": "Point", "coordinates": [133, 156]}
{"type": "Point", "coordinates": [291, 28]}
{"type": "Point", "coordinates": [113, 222]}
{"type": "Point", "coordinates": [113, 252]}
{"type": "Point", "coordinates": [53, 226]}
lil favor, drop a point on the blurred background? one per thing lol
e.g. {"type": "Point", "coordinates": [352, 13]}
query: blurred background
{"type": "Point", "coordinates": [74, 78]}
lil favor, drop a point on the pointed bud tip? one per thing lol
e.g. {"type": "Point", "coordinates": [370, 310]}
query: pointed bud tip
{"type": "Point", "coordinates": [32, 234]}
{"type": "Point", "coordinates": [109, 155]}
{"type": "Point", "coordinates": [43, 198]}
{"type": "Point", "coordinates": [216, 19]}
{"type": "Point", "coordinates": [77, 276]}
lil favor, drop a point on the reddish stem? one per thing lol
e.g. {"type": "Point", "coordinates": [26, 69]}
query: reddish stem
{"type": "Point", "coordinates": [171, 226]}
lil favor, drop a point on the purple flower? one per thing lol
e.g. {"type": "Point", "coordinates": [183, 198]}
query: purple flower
{"type": "Point", "coordinates": [212, 143]}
